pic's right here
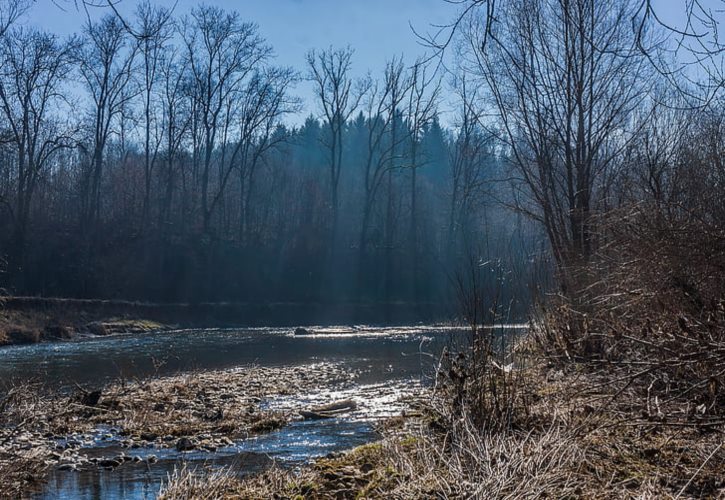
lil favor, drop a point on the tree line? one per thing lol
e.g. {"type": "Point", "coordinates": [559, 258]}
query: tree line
{"type": "Point", "coordinates": [152, 157]}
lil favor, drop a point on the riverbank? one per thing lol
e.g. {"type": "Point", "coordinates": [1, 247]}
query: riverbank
{"type": "Point", "coordinates": [28, 320]}
{"type": "Point", "coordinates": [577, 434]}
{"type": "Point", "coordinates": [22, 328]}
{"type": "Point", "coordinates": [575, 431]}
{"type": "Point", "coordinates": [194, 412]}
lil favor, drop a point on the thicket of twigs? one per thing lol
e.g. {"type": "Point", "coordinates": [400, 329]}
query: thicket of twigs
{"type": "Point", "coordinates": [619, 389]}
{"type": "Point", "coordinates": [651, 309]}
{"type": "Point", "coordinates": [20, 410]}
{"type": "Point", "coordinates": [482, 378]}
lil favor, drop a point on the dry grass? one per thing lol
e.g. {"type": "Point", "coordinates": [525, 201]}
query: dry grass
{"type": "Point", "coordinates": [580, 441]}
{"type": "Point", "coordinates": [195, 484]}
{"type": "Point", "coordinates": [22, 412]}
{"type": "Point", "coordinates": [20, 472]}
{"type": "Point", "coordinates": [217, 403]}
{"type": "Point", "coordinates": [205, 483]}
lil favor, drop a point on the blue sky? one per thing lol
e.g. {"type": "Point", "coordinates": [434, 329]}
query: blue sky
{"type": "Point", "coordinates": [376, 29]}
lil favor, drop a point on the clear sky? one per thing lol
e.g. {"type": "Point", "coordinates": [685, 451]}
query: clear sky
{"type": "Point", "coordinates": [376, 29]}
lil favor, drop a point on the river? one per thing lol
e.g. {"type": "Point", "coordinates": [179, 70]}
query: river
{"type": "Point", "coordinates": [389, 361]}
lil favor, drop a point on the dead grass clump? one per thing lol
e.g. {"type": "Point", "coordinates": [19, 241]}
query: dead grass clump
{"type": "Point", "coordinates": [193, 484]}
{"type": "Point", "coordinates": [482, 378]}
{"type": "Point", "coordinates": [26, 413]}
{"type": "Point", "coordinates": [471, 464]}
{"type": "Point", "coordinates": [23, 336]}
{"type": "Point", "coordinates": [207, 483]}
{"type": "Point", "coordinates": [20, 472]}
{"type": "Point", "coordinates": [17, 327]}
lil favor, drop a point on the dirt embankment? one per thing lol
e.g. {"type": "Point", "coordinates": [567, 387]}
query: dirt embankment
{"type": "Point", "coordinates": [29, 325]}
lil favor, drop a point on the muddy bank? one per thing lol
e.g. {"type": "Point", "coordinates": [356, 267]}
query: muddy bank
{"type": "Point", "coordinates": [32, 326]}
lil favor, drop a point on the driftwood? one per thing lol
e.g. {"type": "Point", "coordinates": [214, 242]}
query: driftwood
{"type": "Point", "coordinates": [328, 331]}
{"type": "Point", "coordinates": [329, 410]}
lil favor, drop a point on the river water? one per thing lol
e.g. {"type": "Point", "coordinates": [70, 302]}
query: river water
{"type": "Point", "coordinates": [390, 362]}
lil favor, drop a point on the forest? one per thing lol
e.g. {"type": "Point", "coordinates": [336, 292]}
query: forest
{"type": "Point", "coordinates": [152, 158]}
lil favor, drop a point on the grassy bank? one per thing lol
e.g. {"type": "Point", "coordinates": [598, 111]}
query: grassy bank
{"type": "Point", "coordinates": [574, 433]}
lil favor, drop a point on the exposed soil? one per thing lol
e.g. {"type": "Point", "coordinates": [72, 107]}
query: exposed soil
{"type": "Point", "coordinates": [30, 326]}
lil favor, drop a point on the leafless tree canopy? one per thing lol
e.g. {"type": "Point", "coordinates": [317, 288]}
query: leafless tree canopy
{"type": "Point", "coordinates": [163, 165]}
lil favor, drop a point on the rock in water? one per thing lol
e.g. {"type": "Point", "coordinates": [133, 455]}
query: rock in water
{"type": "Point", "coordinates": [91, 398]}
{"type": "Point", "coordinates": [110, 463]}
{"type": "Point", "coordinates": [148, 436]}
{"type": "Point", "coordinates": [184, 444]}
{"type": "Point", "coordinates": [302, 331]}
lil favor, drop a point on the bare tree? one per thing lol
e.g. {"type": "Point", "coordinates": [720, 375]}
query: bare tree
{"type": "Point", "coordinates": [154, 31]}
{"type": "Point", "coordinates": [564, 77]}
{"type": "Point", "coordinates": [469, 154]}
{"type": "Point", "coordinates": [176, 121]}
{"type": "Point", "coordinates": [382, 108]}
{"type": "Point", "coordinates": [106, 66]}
{"type": "Point", "coordinates": [261, 107]}
{"type": "Point", "coordinates": [223, 53]}
{"type": "Point", "coordinates": [423, 100]}
{"type": "Point", "coordinates": [34, 67]}
{"type": "Point", "coordinates": [687, 53]}
{"type": "Point", "coordinates": [382, 103]}
{"type": "Point", "coordinates": [329, 70]}
{"type": "Point", "coordinates": [10, 11]}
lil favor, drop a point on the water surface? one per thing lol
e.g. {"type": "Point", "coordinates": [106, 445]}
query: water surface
{"type": "Point", "coordinates": [390, 363]}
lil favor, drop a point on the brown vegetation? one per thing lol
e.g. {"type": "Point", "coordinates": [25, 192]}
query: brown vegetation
{"type": "Point", "coordinates": [194, 411]}
{"type": "Point", "coordinates": [576, 435]}
{"type": "Point", "coordinates": [38, 324]}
